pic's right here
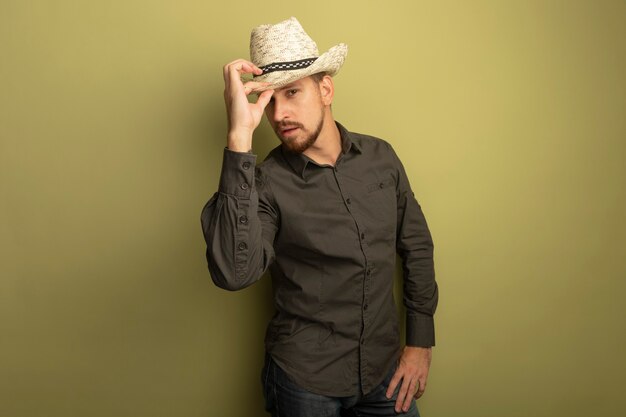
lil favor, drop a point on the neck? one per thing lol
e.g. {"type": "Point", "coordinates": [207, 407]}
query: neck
{"type": "Point", "coordinates": [327, 147]}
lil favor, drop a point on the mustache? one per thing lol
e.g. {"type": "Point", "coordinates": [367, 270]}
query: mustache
{"type": "Point", "coordinates": [285, 125]}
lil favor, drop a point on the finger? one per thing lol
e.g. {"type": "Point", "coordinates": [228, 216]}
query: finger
{"type": "Point", "coordinates": [409, 397]}
{"type": "Point", "coordinates": [253, 86]}
{"type": "Point", "coordinates": [404, 390]}
{"type": "Point", "coordinates": [239, 65]}
{"type": "Point", "coordinates": [393, 384]}
{"type": "Point", "coordinates": [264, 98]}
{"type": "Point", "coordinates": [249, 66]}
{"type": "Point", "coordinates": [242, 67]}
{"type": "Point", "coordinates": [421, 387]}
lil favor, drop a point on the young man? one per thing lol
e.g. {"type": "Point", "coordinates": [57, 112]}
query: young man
{"type": "Point", "coordinates": [326, 213]}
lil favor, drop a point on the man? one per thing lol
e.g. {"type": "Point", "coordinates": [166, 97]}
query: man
{"type": "Point", "coordinates": [326, 213]}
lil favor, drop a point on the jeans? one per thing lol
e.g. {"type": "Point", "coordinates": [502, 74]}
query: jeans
{"type": "Point", "coordinates": [283, 398]}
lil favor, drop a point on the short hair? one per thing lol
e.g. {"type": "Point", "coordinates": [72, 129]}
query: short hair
{"type": "Point", "coordinates": [318, 76]}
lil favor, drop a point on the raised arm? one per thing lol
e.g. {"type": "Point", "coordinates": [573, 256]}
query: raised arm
{"type": "Point", "coordinates": [239, 222]}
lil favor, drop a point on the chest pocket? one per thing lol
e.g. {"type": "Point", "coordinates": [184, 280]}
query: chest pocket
{"type": "Point", "coordinates": [381, 185]}
{"type": "Point", "coordinates": [381, 205]}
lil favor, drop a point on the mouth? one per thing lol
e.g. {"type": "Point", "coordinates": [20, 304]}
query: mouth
{"type": "Point", "coordinates": [288, 131]}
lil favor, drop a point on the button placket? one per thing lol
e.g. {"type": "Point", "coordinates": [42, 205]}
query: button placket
{"type": "Point", "coordinates": [363, 290]}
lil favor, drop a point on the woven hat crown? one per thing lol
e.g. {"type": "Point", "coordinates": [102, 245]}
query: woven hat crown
{"type": "Point", "coordinates": [285, 41]}
{"type": "Point", "coordinates": [285, 53]}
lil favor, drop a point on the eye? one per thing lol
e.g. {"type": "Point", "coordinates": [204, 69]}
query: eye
{"type": "Point", "coordinates": [292, 92]}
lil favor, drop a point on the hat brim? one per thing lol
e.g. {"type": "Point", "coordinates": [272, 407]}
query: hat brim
{"type": "Point", "coordinates": [329, 62]}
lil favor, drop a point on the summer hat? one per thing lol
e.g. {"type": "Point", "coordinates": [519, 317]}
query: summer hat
{"type": "Point", "coordinates": [286, 53]}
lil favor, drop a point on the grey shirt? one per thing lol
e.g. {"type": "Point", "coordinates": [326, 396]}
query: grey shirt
{"type": "Point", "coordinates": [329, 236]}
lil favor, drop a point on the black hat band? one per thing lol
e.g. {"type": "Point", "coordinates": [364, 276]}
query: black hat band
{"type": "Point", "coordinates": [287, 66]}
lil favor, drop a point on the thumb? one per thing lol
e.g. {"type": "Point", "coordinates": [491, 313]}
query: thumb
{"type": "Point", "coordinates": [264, 99]}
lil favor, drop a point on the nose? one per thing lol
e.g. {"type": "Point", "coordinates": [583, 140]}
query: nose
{"type": "Point", "coordinates": [279, 109]}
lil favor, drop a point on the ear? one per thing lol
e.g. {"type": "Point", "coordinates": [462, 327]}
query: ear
{"type": "Point", "coordinates": [327, 90]}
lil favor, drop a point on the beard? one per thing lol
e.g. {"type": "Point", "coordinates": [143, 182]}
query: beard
{"type": "Point", "coordinates": [299, 146]}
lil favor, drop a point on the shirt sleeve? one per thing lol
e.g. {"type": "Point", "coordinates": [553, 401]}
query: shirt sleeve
{"type": "Point", "coordinates": [239, 224]}
{"type": "Point", "coordinates": [414, 244]}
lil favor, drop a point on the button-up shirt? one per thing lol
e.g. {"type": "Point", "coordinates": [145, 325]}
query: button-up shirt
{"type": "Point", "coordinates": [329, 236]}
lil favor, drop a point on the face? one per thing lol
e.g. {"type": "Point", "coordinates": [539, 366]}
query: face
{"type": "Point", "coordinates": [296, 113]}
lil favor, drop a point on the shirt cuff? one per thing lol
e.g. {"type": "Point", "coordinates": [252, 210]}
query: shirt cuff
{"type": "Point", "coordinates": [237, 176]}
{"type": "Point", "coordinates": [420, 330]}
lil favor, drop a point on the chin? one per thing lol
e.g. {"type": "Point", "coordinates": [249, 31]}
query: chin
{"type": "Point", "coordinates": [296, 146]}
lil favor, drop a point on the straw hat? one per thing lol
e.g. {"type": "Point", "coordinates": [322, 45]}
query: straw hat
{"type": "Point", "coordinates": [286, 53]}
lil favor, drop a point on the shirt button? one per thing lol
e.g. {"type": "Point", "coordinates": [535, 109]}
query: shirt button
{"type": "Point", "coordinates": [246, 165]}
{"type": "Point", "coordinates": [362, 235]}
{"type": "Point", "coordinates": [365, 307]}
{"type": "Point", "coordinates": [348, 201]}
{"type": "Point", "coordinates": [242, 246]}
{"type": "Point", "coordinates": [369, 272]}
{"type": "Point", "coordinates": [243, 219]}
{"type": "Point", "coordinates": [244, 186]}
{"type": "Point", "coordinates": [381, 185]}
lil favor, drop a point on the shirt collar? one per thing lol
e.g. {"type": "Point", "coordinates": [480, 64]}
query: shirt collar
{"type": "Point", "coordinates": [299, 162]}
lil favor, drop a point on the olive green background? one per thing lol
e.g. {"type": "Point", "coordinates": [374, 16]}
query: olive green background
{"type": "Point", "coordinates": [508, 115]}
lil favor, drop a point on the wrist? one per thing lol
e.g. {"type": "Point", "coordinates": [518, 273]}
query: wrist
{"type": "Point", "coordinates": [239, 140]}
